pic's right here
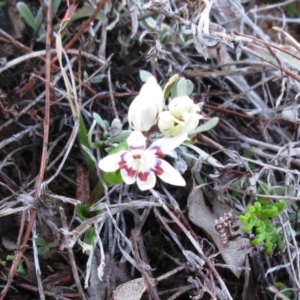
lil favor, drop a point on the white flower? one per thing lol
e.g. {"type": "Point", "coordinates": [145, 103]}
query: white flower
{"type": "Point", "coordinates": [182, 117]}
{"type": "Point", "coordinates": [142, 165]}
{"type": "Point", "coordinates": [145, 108]}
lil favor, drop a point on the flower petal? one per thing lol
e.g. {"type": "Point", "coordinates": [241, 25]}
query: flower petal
{"type": "Point", "coordinates": [146, 181]}
{"type": "Point", "coordinates": [191, 122]}
{"type": "Point", "coordinates": [136, 142]}
{"type": "Point", "coordinates": [141, 115]}
{"type": "Point", "coordinates": [179, 105]}
{"type": "Point", "coordinates": [168, 174]}
{"type": "Point", "coordinates": [111, 162]}
{"type": "Point", "coordinates": [167, 144]}
{"type": "Point", "coordinates": [127, 176]}
{"type": "Point", "coordinates": [153, 91]}
{"type": "Point", "coordinates": [184, 114]}
{"type": "Point", "coordinates": [144, 109]}
{"type": "Point", "coordinates": [169, 125]}
{"type": "Point", "coordinates": [165, 121]}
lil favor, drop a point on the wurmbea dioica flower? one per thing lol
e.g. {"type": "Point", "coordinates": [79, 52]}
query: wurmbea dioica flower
{"type": "Point", "coordinates": [145, 108]}
{"type": "Point", "coordinates": [142, 165]}
{"type": "Point", "coordinates": [182, 117]}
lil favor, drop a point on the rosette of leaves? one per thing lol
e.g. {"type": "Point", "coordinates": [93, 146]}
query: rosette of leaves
{"type": "Point", "coordinates": [260, 219]}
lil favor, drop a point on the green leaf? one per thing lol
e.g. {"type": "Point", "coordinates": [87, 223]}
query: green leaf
{"type": "Point", "coordinates": [277, 190]}
{"type": "Point", "coordinates": [85, 12]}
{"type": "Point", "coordinates": [98, 78]}
{"type": "Point", "coordinates": [53, 244]}
{"type": "Point", "coordinates": [273, 212]}
{"type": "Point", "coordinates": [83, 212]}
{"type": "Point", "coordinates": [123, 135]}
{"type": "Point", "coordinates": [122, 146]}
{"type": "Point", "coordinates": [41, 242]}
{"type": "Point", "coordinates": [251, 209]}
{"type": "Point", "coordinates": [90, 236]}
{"type": "Point", "coordinates": [83, 139]}
{"type": "Point", "coordinates": [112, 178]}
{"type": "Point", "coordinates": [2, 262]}
{"type": "Point", "coordinates": [281, 205]}
{"type": "Point", "coordinates": [280, 243]}
{"type": "Point", "coordinates": [56, 4]}
{"type": "Point", "coordinates": [243, 219]}
{"type": "Point", "coordinates": [248, 153]}
{"type": "Point", "coordinates": [248, 215]}
{"type": "Point", "coordinates": [247, 228]}
{"type": "Point", "coordinates": [39, 18]}
{"type": "Point", "coordinates": [259, 230]}
{"type": "Point", "coordinates": [206, 126]}
{"type": "Point", "coordinates": [280, 285]}
{"type": "Point", "coordinates": [169, 85]}
{"type": "Point", "coordinates": [259, 238]}
{"type": "Point", "coordinates": [100, 121]}
{"type": "Point", "coordinates": [181, 87]}
{"type": "Point", "coordinates": [257, 205]}
{"type": "Point", "coordinates": [268, 250]}
{"type": "Point", "coordinates": [262, 225]}
{"type": "Point", "coordinates": [43, 250]}
{"type": "Point", "coordinates": [189, 87]}
{"type": "Point", "coordinates": [21, 267]}
{"type": "Point", "coordinates": [27, 15]}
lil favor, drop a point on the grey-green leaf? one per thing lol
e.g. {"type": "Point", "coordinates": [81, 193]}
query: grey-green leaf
{"type": "Point", "coordinates": [85, 12]}
{"type": "Point", "coordinates": [189, 87]}
{"type": "Point", "coordinates": [207, 125]}
{"type": "Point", "coordinates": [181, 87]}
{"type": "Point", "coordinates": [27, 15]}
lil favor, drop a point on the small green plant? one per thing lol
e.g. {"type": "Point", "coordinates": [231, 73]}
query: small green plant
{"type": "Point", "coordinates": [83, 212]}
{"type": "Point", "coordinates": [47, 242]}
{"type": "Point", "coordinates": [283, 287]}
{"type": "Point", "coordinates": [38, 22]}
{"type": "Point", "coordinates": [293, 10]}
{"type": "Point", "coordinates": [46, 247]}
{"type": "Point", "coordinates": [21, 266]}
{"type": "Point", "coordinates": [260, 219]}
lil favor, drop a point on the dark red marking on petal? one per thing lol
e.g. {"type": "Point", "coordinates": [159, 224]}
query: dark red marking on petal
{"type": "Point", "coordinates": [158, 152]}
{"type": "Point", "coordinates": [158, 170]}
{"type": "Point", "coordinates": [123, 163]}
{"type": "Point", "coordinates": [130, 172]}
{"type": "Point", "coordinates": [143, 176]}
{"type": "Point", "coordinates": [137, 156]}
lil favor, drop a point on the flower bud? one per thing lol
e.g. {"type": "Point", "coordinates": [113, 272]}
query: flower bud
{"type": "Point", "coordinates": [145, 108]}
{"type": "Point", "coordinates": [182, 117]}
